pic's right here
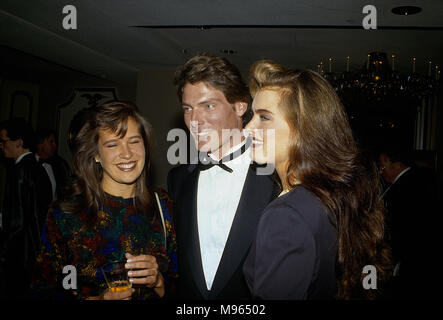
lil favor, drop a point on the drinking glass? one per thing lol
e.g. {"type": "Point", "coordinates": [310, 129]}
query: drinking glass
{"type": "Point", "coordinates": [116, 276]}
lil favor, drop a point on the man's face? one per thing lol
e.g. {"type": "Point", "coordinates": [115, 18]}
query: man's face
{"type": "Point", "coordinates": [207, 113]}
{"type": "Point", "coordinates": [8, 147]}
{"type": "Point", "coordinates": [47, 148]}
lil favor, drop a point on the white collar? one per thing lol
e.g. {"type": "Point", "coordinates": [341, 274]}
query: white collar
{"type": "Point", "coordinates": [21, 157]}
{"type": "Point", "coordinates": [401, 173]}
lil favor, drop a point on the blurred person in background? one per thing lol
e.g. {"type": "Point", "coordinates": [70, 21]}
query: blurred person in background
{"type": "Point", "coordinates": [413, 217]}
{"type": "Point", "coordinates": [27, 197]}
{"type": "Point", "coordinates": [56, 167]}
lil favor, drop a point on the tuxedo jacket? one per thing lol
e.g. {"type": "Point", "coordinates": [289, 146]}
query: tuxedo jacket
{"type": "Point", "coordinates": [229, 281]}
{"type": "Point", "coordinates": [62, 174]}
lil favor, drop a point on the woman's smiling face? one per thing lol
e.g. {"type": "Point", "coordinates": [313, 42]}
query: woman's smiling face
{"type": "Point", "coordinates": [269, 130]}
{"type": "Point", "coordinates": [122, 158]}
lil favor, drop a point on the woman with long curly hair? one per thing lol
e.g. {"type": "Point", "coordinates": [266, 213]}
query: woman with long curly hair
{"type": "Point", "coordinates": [111, 215]}
{"type": "Point", "coordinates": [315, 239]}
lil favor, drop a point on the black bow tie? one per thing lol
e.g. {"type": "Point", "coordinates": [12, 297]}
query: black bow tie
{"type": "Point", "coordinates": [206, 162]}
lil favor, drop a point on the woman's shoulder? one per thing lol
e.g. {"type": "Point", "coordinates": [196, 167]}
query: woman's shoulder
{"type": "Point", "coordinates": [60, 212]}
{"type": "Point", "coordinates": [165, 201]}
{"type": "Point", "coordinates": [162, 194]}
{"type": "Point", "coordinates": [300, 204]}
{"type": "Point", "coordinates": [298, 198]}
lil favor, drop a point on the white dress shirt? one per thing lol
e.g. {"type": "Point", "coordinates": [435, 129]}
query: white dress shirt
{"type": "Point", "coordinates": [218, 196]}
{"type": "Point", "coordinates": [50, 172]}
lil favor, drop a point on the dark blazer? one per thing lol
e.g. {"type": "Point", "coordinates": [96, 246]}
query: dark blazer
{"type": "Point", "coordinates": [229, 282]}
{"type": "Point", "coordinates": [27, 197]}
{"type": "Point", "coordinates": [414, 223]}
{"type": "Point", "coordinates": [62, 174]}
{"type": "Point", "coordinates": [294, 254]}
{"type": "Point", "coordinates": [409, 198]}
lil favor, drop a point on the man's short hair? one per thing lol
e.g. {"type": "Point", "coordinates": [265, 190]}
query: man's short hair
{"type": "Point", "coordinates": [18, 128]}
{"type": "Point", "coordinates": [43, 134]}
{"type": "Point", "coordinates": [396, 154]}
{"type": "Point", "coordinates": [217, 72]}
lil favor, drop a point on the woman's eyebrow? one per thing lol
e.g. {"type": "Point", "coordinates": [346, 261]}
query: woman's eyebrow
{"type": "Point", "coordinates": [109, 141]}
{"type": "Point", "coordinates": [263, 111]}
{"type": "Point", "coordinates": [116, 140]}
{"type": "Point", "coordinates": [136, 136]}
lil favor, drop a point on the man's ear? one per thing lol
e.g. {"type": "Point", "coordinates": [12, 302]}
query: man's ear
{"type": "Point", "coordinates": [19, 143]}
{"type": "Point", "coordinates": [384, 157]}
{"type": "Point", "coordinates": [240, 108]}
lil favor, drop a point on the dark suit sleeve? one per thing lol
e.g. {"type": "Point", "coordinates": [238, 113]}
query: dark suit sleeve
{"type": "Point", "coordinates": [13, 217]}
{"type": "Point", "coordinates": [285, 256]}
{"type": "Point", "coordinates": [175, 180]}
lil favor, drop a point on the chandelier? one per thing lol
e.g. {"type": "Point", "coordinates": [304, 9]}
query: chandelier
{"type": "Point", "coordinates": [377, 78]}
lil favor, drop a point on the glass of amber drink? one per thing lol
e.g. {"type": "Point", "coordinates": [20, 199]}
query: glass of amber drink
{"type": "Point", "coordinates": [116, 276]}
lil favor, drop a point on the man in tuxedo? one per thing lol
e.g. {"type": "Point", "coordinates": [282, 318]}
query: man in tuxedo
{"type": "Point", "coordinates": [219, 200]}
{"type": "Point", "coordinates": [411, 203]}
{"type": "Point", "coordinates": [27, 198]}
{"type": "Point", "coordinates": [56, 167]}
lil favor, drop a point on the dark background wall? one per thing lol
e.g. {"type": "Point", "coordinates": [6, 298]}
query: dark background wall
{"type": "Point", "coordinates": [49, 85]}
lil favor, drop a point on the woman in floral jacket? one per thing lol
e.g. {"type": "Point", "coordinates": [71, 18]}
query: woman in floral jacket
{"type": "Point", "coordinates": [111, 215]}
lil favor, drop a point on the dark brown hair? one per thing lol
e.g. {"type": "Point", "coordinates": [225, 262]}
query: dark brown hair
{"type": "Point", "coordinates": [87, 194]}
{"type": "Point", "coordinates": [217, 72]}
{"type": "Point", "coordinates": [325, 159]}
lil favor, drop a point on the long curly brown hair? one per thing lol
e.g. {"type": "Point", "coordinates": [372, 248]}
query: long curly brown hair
{"type": "Point", "coordinates": [325, 159]}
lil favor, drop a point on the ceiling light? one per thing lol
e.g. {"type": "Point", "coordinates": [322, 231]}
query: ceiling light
{"type": "Point", "coordinates": [228, 51]}
{"type": "Point", "coordinates": [406, 10]}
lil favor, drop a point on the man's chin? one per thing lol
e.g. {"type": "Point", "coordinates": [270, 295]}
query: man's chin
{"type": "Point", "coordinates": [204, 146]}
{"type": "Point", "coordinates": [205, 149]}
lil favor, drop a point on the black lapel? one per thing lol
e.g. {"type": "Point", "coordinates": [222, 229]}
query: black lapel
{"type": "Point", "coordinates": [257, 193]}
{"type": "Point", "coordinates": [188, 224]}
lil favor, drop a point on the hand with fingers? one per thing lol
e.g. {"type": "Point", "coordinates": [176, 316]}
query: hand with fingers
{"type": "Point", "coordinates": [143, 270]}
